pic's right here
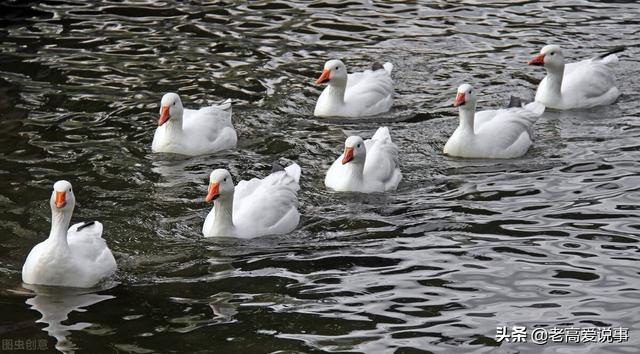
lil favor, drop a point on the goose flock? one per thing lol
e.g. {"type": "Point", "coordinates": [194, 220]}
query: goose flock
{"type": "Point", "coordinates": [78, 256]}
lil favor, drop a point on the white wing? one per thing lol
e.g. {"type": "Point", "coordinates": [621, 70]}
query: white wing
{"type": "Point", "coordinates": [588, 78]}
{"type": "Point", "coordinates": [509, 130]}
{"type": "Point", "coordinates": [483, 117]}
{"type": "Point", "coordinates": [382, 163]}
{"type": "Point", "coordinates": [370, 92]}
{"type": "Point", "coordinates": [90, 249]}
{"type": "Point", "coordinates": [210, 128]}
{"type": "Point", "coordinates": [269, 205]}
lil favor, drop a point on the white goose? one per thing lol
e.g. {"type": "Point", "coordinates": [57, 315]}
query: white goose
{"type": "Point", "coordinates": [253, 208]}
{"type": "Point", "coordinates": [492, 134]}
{"type": "Point", "coordinates": [193, 132]}
{"type": "Point", "coordinates": [366, 166]}
{"type": "Point", "coordinates": [584, 84]}
{"type": "Point", "coordinates": [354, 95]}
{"type": "Point", "coordinates": [77, 257]}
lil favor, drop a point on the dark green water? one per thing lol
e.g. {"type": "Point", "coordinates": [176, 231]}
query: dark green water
{"type": "Point", "coordinates": [463, 246]}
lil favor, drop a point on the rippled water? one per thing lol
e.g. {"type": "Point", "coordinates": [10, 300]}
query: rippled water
{"type": "Point", "coordinates": [463, 246]}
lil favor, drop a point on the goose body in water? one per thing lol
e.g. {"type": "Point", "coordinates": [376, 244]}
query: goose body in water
{"type": "Point", "coordinates": [354, 95]}
{"type": "Point", "coordinates": [193, 132]}
{"type": "Point", "coordinates": [366, 165]}
{"type": "Point", "coordinates": [253, 208]}
{"type": "Point", "coordinates": [493, 134]}
{"type": "Point", "coordinates": [75, 256]}
{"type": "Point", "coordinates": [584, 84]}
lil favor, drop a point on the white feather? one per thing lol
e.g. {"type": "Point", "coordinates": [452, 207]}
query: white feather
{"type": "Point", "coordinates": [584, 84]}
{"type": "Point", "coordinates": [260, 207]}
{"type": "Point", "coordinates": [72, 258]}
{"type": "Point", "coordinates": [502, 133]}
{"type": "Point", "coordinates": [377, 170]}
{"type": "Point", "coordinates": [196, 132]}
{"type": "Point", "coordinates": [358, 94]}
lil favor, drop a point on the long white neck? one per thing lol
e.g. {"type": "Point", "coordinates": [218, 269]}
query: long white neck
{"type": "Point", "coordinates": [59, 225]}
{"type": "Point", "coordinates": [554, 80]}
{"type": "Point", "coordinates": [174, 127]}
{"type": "Point", "coordinates": [354, 172]}
{"type": "Point", "coordinates": [223, 216]}
{"type": "Point", "coordinates": [335, 90]}
{"type": "Point", "coordinates": [467, 118]}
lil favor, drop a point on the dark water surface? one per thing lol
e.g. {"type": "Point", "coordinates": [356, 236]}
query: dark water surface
{"type": "Point", "coordinates": [463, 246]}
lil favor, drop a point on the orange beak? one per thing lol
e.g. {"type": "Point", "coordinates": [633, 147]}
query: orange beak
{"type": "Point", "coordinates": [164, 115]}
{"type": "Point", "coordinates": [538, 60]}
{"type": "Point", "coordinates": [348, 155]}
{"type": "Point", "coordinates": [459, 99]}
{"type": "Point", "coordinates": [213, 192]}
{"type": "Point", "coordinates": [324, 77]}
{"type": "Point", "coordinates": [60, 199]}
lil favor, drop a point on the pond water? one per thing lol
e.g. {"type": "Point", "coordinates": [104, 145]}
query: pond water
{"type": "Point", "coordinates": [461, 248]}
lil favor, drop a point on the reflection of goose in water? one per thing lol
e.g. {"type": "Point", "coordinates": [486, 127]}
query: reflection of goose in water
{"type": "Point", "coordinates": [55, 304]}
{"type": "Point", "coordinates": [222, 307]}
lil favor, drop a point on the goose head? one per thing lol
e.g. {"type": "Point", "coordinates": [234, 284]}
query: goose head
{"type": "Point", "coordinates": [170, 107]}
{"type": "Point", "coordinates": [220, 185]}
{"type": "Point", "coordinates": [354, 150]}
{"type": "Point", "coordinates": [334, 72]}
{"type": "Point", "coordinates": [466, 97]}
{"type": "Point", "coordinates": [550, 57]}
{"type": "Point", "coordinates": [62, 198]}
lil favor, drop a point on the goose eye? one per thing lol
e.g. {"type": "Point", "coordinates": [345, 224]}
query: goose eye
{"type": "Point", "coordinates": [470, 91]}
{"type": "Point", "coordinates": [225, 179]}
{"type": "Point", "coordinates": [174, 103]}
{"type": "Point", "coordinates": [552, 53]}
{"type": "Point", "coordinates": [69, 189]}
{"type": "Point", "coordinates": [358, 145]}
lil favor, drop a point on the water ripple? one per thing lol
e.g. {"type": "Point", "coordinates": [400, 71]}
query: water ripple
{"type": "Point", "coordinates": [463, 246]}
